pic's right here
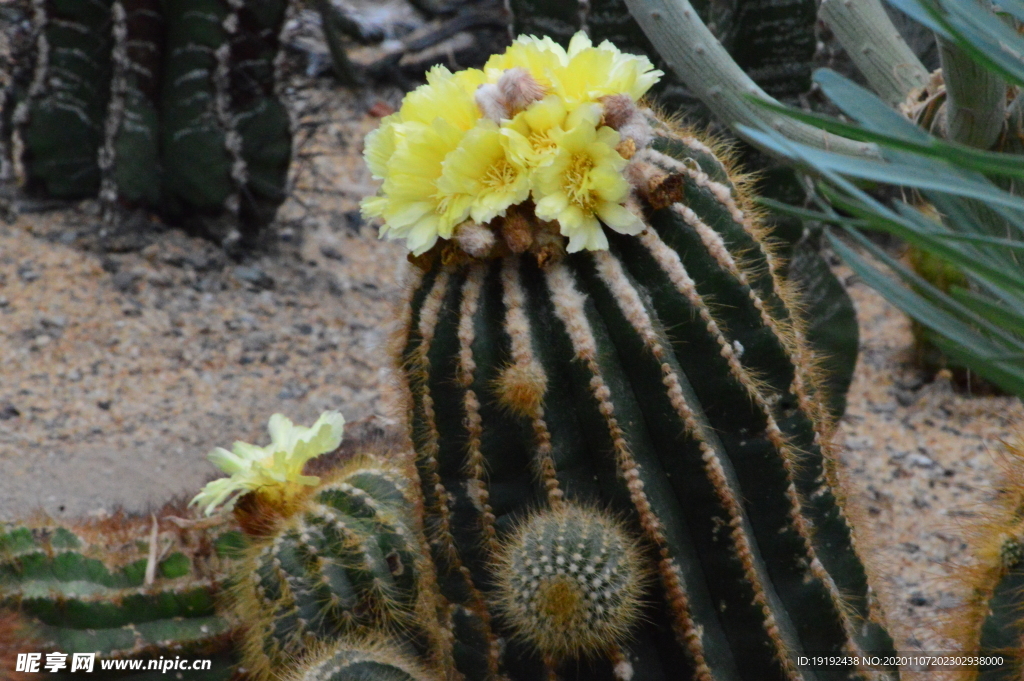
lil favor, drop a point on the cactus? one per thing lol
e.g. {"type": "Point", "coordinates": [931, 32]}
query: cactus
{"type": "Point", "coordinates": [167, 105]}
{"type": "Point", "coordinates": [652, 364]}
{"type": "Point", "coordinates": [570, 582]}
{"type": "Point", "coordinates": [332, 557]}
{"type": "Point", "coordinates": [367, 659]}
{"type": "Point", "coordinates": [346, 561]}
{"type": "Point", "coordinates": [992, 622]}
{"type": "Point", "coordinates": [58, 125]}
{"type": "Point", "coordinates": [123, 587]}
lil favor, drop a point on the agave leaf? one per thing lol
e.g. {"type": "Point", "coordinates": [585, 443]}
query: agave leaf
{"type": "Point", "coordinates": [981, 34]}
{"type": "Point", "coordinates": [894, 134]}
{"type": "Point", "coordinates": [930, 175]}
{"type": "Point", "coordinates": [1001, 364]}
{"type": "Point", "coordinates": [1007, 317]}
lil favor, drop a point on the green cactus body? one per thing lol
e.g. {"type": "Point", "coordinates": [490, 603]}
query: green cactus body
{"type": "Point", "coordinates": [1002, 630]}
{"type": "Point", "coordinates": [158, 104]}
{"type": "Point", "coordinates": [116, 588]}
{"type": "Point", "coordinates": [132, 159]}
{"type": "Point", "coordinates": [197, 164]}
{"type": "Point", "coordinates": [368, 659]}
{"type": "Point", "coordinates": [260, 119]}
{"type": "Point", "coordinates": [347, 561]}
{"type": "Point", "coordinates": [60, 123]}
{"type": "Point", "coordinates": [663, 378]}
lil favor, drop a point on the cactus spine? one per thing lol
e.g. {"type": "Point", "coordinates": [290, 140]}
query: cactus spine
{"type": "Point", "coordinates": [365, 659]}
{"type": "Point", "coordinates": [991, 623]}
{"type": "Point", "coordinates": [125, 587]}
{"type": "Point", "coordinates": [347, 561]}
{"type": "Point", "coordinates": [667, 379]}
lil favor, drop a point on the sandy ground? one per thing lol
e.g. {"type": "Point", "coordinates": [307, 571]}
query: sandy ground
{"type": "Point", "coordinates": [921, 465]}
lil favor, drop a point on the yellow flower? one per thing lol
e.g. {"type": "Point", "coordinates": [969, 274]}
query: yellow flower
{"type": "Point", "coordinates": [446, 95]}
{"type": "Point", "coordinates": [531, 134]}
{"type": "Point", "coordinates": [379, 146]}
{"type": "Point", "coordinates": [583, 183]}
{"type": "Point", "coordinates": [415, 208]}
{"type": "Point", "coordinates": [480, 172]}
{"type": "Point", "coordinates": [542, 57]}
{"type": "Point", "coordinates": [273, 471]}
{"type": "Point", "coordinates": [407, 152]}
{"type": "Point", "coordinates": [594, 72]}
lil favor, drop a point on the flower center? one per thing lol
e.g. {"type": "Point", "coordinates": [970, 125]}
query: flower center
{"type": "Point", "coordinates": [574, 182]}
{"type": "Point", "coordinates": [541, 141]}
{"type": "Point", "coordinates": [500, 175]}
{"type": "Point", "coordinates": [442, 202]}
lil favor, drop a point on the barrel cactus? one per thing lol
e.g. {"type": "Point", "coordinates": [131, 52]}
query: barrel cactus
{"type": "Point", "coordinates": [329, 558]}
{"type": "Point", "coordinates": [991, 622]}
{"type": "Point", "coordinates": [596, 320]}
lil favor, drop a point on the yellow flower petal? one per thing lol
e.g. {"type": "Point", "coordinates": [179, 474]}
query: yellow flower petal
{"type": "Point", "coordinates": [274, 471]}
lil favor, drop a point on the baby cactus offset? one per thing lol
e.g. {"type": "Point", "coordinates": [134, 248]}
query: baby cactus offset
{"type": "Point", "coordinates": [123, 587]}
{"type": "Point", "coordinates": [596, 317]}
{"type": "Point", "coordinates": [570, 582]}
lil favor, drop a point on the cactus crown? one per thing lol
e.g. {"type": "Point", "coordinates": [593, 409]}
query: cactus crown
{"type": "Point", "coordinates": [507, 158]}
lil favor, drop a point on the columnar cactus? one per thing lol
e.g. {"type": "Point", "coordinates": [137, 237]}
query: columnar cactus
{"type": "Point", "coordinates": [596, 317]}
{"type": "Point", "coordinates": [124, 586]}
{"type": "Point", "coordinates": [168, 105]}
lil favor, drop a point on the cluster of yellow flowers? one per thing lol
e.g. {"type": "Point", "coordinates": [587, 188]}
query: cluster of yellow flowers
{"type": "Point", "coordinates": [468, 145]}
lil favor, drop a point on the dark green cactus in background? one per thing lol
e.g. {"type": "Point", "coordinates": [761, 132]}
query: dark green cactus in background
{"type": "Point", "coordinates": [127, 588]}
{"type": "Point", "coordinates": [167, 105]}
{"type": "Point", "coordinates": [668, 379]}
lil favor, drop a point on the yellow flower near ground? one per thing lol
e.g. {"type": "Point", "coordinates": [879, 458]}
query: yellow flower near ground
{"type": "Point", "coordinates": [584, 186]}
{"type": "Point", "coordinates": [273, 471]}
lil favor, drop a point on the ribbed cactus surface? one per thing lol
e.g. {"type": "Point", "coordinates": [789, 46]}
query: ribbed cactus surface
{"type": "Point", "coordinates": [346, 562]}
{"type": "Point", "coordinates": [665, 378]}
{"type": "Point", "coordinates": [123, 587]}
{"type": "Point", "coordinates": [168, 105]}
{"type": "Point", "coordinates": [59, 123]}
{"type": "Point", "coordinates": [367, 659]}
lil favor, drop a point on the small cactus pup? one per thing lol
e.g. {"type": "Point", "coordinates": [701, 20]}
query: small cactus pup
{"type": "Point", "coordinates": [596, 317]}
{"type": "Point", "coordinates": [126, 587]}
{"type": "Point", "coordinates": [329, 556]}
{"type": "Point", "coordinates": [570, 581]}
